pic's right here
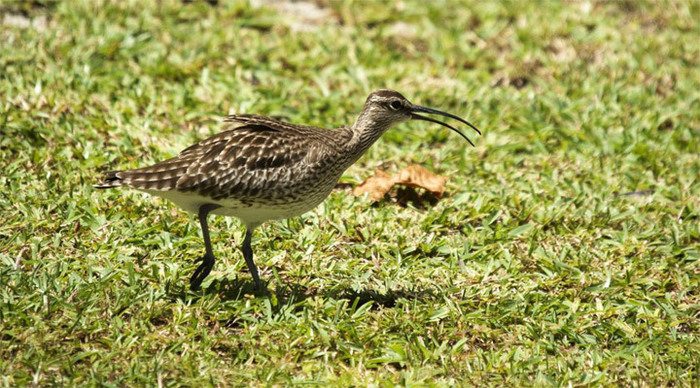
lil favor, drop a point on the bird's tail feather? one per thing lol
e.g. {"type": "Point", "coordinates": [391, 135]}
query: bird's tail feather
{"type": "Point", "coordinates": [110, 179]}
{"type": "Point", "coordinates": [158, 177]}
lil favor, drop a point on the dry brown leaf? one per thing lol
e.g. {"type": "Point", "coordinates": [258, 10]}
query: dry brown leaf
{"type": "Point", "coordinates": [418, 176]}
{"type": "Point", "coordinates": [376, 186]}
{"type": "Point", "coordinates": [414, 176]}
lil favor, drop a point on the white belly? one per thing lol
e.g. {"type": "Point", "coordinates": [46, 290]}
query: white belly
{"type": "Point", "coordinates": [251, 214]}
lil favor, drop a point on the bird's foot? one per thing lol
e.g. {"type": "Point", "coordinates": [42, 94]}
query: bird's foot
{"type": "Point", "coordinates": [202, 271]}
{"type": "Point", "coordinates": [259, 285]}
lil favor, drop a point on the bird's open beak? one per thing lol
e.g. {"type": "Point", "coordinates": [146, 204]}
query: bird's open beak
{"type": "Point", "coordinates": [418, 108]}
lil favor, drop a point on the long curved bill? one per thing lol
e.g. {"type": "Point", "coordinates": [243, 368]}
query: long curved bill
{"type": "Point", "coordinates": [423, 109]}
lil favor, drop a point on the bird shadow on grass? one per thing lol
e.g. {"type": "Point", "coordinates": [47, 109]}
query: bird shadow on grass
{"type": "Point", "coordinates": [292, 296]}
{"type": "Point", "coordinates": [235, 289]}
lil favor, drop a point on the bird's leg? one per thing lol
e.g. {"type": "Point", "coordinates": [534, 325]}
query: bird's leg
{"type": "Point", "coordinates": [208, 259]}
{"type": "Point", "coordinates": [248, 255]}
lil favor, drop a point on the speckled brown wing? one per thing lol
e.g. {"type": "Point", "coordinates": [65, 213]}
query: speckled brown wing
{"type": "Point", "coordinates": [256, 158]}
{"type": "Point", "coordinates": [249, 161]}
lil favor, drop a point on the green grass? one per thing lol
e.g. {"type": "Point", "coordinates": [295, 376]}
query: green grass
{"type": "Point", "coordinates": [566, 251]}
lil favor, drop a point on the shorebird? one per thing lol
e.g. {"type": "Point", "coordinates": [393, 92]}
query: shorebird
{"type": "Point", "coordinates": [260, 169]}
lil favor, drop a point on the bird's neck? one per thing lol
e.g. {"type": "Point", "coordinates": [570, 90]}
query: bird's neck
{"type": "Point", "coordinates": [366, 130]}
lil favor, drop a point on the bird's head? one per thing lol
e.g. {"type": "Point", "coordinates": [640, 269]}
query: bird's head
{"type": "Point", "coordinates": [385, 108]}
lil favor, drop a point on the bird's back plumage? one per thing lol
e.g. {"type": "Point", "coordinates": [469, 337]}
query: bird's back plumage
{"type": "Point", "coordinates": [255, 160]}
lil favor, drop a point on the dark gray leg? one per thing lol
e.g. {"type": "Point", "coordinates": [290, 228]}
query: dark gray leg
{"type": "Point", "coordinates": [248, 255]}
{"type": "Point", "coordinates": [208, 259]}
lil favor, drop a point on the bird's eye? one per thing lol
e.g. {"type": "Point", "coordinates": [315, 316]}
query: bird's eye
{"type": "Point", "coordinates": [395, 105]}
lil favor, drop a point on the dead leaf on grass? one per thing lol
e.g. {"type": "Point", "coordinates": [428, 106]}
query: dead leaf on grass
{"type": "Point", "coordinates": [418, 176]}
{"type": "Point", "coordinates": [376, 186]}
{"type": "Point", "coordinates": [414, 176]}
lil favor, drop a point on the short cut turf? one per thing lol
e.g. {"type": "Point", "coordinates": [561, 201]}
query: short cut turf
{"type": "Point", "coordinates": [566, 251]}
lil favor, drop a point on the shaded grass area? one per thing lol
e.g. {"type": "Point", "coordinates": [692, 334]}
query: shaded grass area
{"type": "Point", "coordinates": [566, 251]}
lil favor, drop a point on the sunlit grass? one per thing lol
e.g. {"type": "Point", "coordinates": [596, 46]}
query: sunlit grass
{"type": "Point", "coordinates": [566, 250]}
